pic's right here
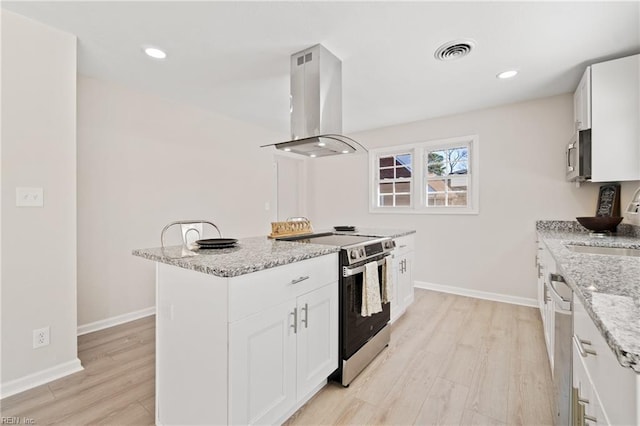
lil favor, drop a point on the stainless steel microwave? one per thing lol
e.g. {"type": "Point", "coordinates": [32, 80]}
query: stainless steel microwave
{"type": "Point", "coordinates": [578, 156]}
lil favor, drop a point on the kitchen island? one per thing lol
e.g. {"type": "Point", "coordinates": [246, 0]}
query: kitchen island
{"type": "Point", "coordinates": [244, 334]}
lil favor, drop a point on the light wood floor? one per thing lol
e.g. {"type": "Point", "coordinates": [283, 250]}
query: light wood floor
{"type": "Point", "coordinates": [117, 385]}
{"type": "Point", "coordinates": [452, 360]}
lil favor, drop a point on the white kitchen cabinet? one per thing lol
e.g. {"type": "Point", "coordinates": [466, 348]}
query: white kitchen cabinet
{"type": "Point", "coordinates": [279, 356]}
{"type": "Point", "coordinates": [615, 120]}
{"type": "Point", "coordinates": [403, 291]}
{"type": "Point", "coordinates": [546, 266]}
{"type": "Point", "coordinates": [608, 391]}
{"type": "Point", "coordinates": [247, 349]}
{"type": "Point", "coordinates": [586, 406]}
{"type": "Point", "coordinates": [317, 338]}
{"type": "Point", "coordinates": [582, 102]}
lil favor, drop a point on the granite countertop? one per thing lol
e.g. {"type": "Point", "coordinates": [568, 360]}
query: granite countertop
{"type": "Point", "coordinates": [249, 255]}
{"type": "Point", "coordinates": [607, 285]}
{"type": "Point", "coordinates": [253, 254]}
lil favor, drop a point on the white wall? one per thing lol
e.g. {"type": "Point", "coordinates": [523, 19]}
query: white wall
{"type": "Point", "coordinates": [144, 162]}
{"type": "Point", "coordinates": [521, 180]}
{"type": "Point", "coordinates": [38, 244]}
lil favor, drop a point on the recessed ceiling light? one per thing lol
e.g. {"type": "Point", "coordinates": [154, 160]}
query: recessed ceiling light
{"type": "Point", "coordinates": [345, 152]}
{"type": "Point", "coordinates": [287, 149]}
{"type": "Point", "coordinates": [321, 144]}
{"type": "Point", "coordinates": [312, 155]}
{"type": "Point", "coordinates": [507, 74]}
{"type": "Point", "coordinates": [155, 53]}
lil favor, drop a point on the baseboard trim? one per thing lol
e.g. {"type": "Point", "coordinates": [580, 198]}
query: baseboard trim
{"type": "Point", "coordinates": [117, 320]}
{"type": "Point", "coordinates": [40, 378]}
{"type": "Point", "coordinates": [477, 294]}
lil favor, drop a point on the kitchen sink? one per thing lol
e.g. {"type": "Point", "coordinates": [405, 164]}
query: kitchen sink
{"type": "Point", "coordinates": [614, 251]}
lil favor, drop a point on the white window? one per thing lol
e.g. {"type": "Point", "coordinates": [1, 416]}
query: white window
{"type": "Point", "coordinates": [438, 176]}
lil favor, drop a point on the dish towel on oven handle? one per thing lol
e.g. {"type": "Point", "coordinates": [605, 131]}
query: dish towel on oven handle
{"type": "Point", "coordinates": [387, 280]}
{"type": "Point", "coordinates": [371, 302]}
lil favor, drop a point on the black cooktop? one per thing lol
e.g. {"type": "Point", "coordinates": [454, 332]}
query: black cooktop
{"type": "Point", "coordinates": [331, 239]}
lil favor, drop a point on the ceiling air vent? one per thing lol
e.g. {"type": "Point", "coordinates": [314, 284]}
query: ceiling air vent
{"type": "Point", "coordinates": [455, 49]}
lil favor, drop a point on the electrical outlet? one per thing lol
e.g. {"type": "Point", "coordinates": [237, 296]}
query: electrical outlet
{"type": "Point", "coordinates": [40, 337]}
{"type": "Point", "coordinates": [29, 197]}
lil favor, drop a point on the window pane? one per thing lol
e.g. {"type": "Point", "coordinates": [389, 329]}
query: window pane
{"type": "Point", "coordinates": [386, 161]}
{"type": "Point", "coordinates": [386, 200]}
{"type": "Point", "coordinates": [403, 187]}
{"type": "Point", "coordinates": [460, 168]}
{"type": "Point", "coordinates": [403, 200]}
{"type": "Point", "coordinates": [457, 199]}
{"type": "Point", "coordinates": [386, 188]}
{"type": "Point", "coordinates": [437, 185]}
{"type": "Point", "coordinates": [457, 184]}
{"type": "Point", "coordinates": [435, 157]}
{"type": "Point", "coordinates": [386, 174]}
{"type": "Point", "coordinates": [403, 172]}
{"type": "Point", "coordinates": [435, 163]}
{"type": "Point", "coordinates": [436, 199]}
{"type": "Point", "coordinates": [404, 160]}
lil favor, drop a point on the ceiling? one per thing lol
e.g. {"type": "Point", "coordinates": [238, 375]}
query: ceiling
{"type": "Point", "coordinates": [233, 57]}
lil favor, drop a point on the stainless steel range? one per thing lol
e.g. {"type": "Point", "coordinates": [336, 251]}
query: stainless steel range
{"type": "Point", "coordinates": [361, 338]}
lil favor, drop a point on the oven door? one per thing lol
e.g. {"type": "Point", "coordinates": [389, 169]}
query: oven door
{"type": "Point", "coordinates": [356, 329]}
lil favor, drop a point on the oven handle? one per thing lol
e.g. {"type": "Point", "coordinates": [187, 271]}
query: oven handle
{"type": "Point", "coordinates": [347, 272]}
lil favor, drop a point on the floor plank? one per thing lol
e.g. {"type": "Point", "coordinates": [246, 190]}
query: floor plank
{"type": "Point", "coordinates": [452, 360]}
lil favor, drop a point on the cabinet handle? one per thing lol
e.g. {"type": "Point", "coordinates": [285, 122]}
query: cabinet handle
{"type": "Point", "coordinates": [305, 321]}
{"type": "Point", "coordinates": [589, 419]}
{"type": "Point", "coordinates": [299, 280]}
{"type": "Point", "coordinates": [569, 148]}
{"type": "Point", "coordinates": [403, 245]}
{"type": "Point", "coordinates": [545, 294]}
{"type": "Point", "coordinates": [295, 320]}
{"type": "Point", "coordinates": [539, 270]}
{"type": "Point", "coordinates": [580, 345]}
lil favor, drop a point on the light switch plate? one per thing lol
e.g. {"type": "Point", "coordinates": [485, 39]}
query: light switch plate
{"type": "Point", "coordinates": [29, 197]}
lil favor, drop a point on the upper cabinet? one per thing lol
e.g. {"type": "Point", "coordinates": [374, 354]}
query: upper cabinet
{"type": "Point", "coordinates": [607, 101]}
{"type": "Point", "coordinates": [615, 120]}
{"type": "Point", "coordinates": [582, 102]}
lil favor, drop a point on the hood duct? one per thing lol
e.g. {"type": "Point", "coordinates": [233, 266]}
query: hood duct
{"type": "Point", "coordinates": [316, 106]}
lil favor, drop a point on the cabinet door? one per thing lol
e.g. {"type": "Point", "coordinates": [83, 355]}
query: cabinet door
{"type": "Point", "coordinates": [397, 307]}
{"type": "Point", "coordinates": [582, 102]}
{"type": "Point", "coordinates": [262, 365]}
{"type": "Point", "coordinates": [587, 408]}
{"type": "Point", "coordinates": [540, 280]}
{"type": "Point", "coordinates": [317, 338]}
{"type": "Point", "coordinates": [405, 280]}
{"type": "Point", "coordinates": [615, 151]}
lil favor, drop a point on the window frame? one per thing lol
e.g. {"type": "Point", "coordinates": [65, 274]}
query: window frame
{"type": "Point", "coordinates": [419, 179]}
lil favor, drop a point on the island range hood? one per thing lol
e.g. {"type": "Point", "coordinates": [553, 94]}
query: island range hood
{"type": "Point", "coordinates": [316, 106]}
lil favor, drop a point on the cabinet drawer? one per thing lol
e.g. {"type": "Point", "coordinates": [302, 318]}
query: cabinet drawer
{"type": "Point", "coordinates": [615, 385]}
{"type": "Point", "coordinates": [260, 290]}
{"type": "Point", "coordinates": [404, 244]}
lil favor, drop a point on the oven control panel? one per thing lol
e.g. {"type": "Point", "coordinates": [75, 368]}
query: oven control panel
{"type": "Point", "coordinates": [362, 252]}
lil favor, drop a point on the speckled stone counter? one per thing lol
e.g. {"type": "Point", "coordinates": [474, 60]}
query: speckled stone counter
{"type": "Point", "coordinates": [249, 255]}
{"type": "Point", "coordinates": [607, 285]}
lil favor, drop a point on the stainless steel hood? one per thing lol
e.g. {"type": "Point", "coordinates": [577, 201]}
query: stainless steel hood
{"type": "Point", "coordinates": [316, 106]}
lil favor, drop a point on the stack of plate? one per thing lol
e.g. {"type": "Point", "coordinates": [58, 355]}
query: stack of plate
{"type": "Point", "coordinates": [344, 228]}
{"type": "Point", "coordinates": [216, 243]}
